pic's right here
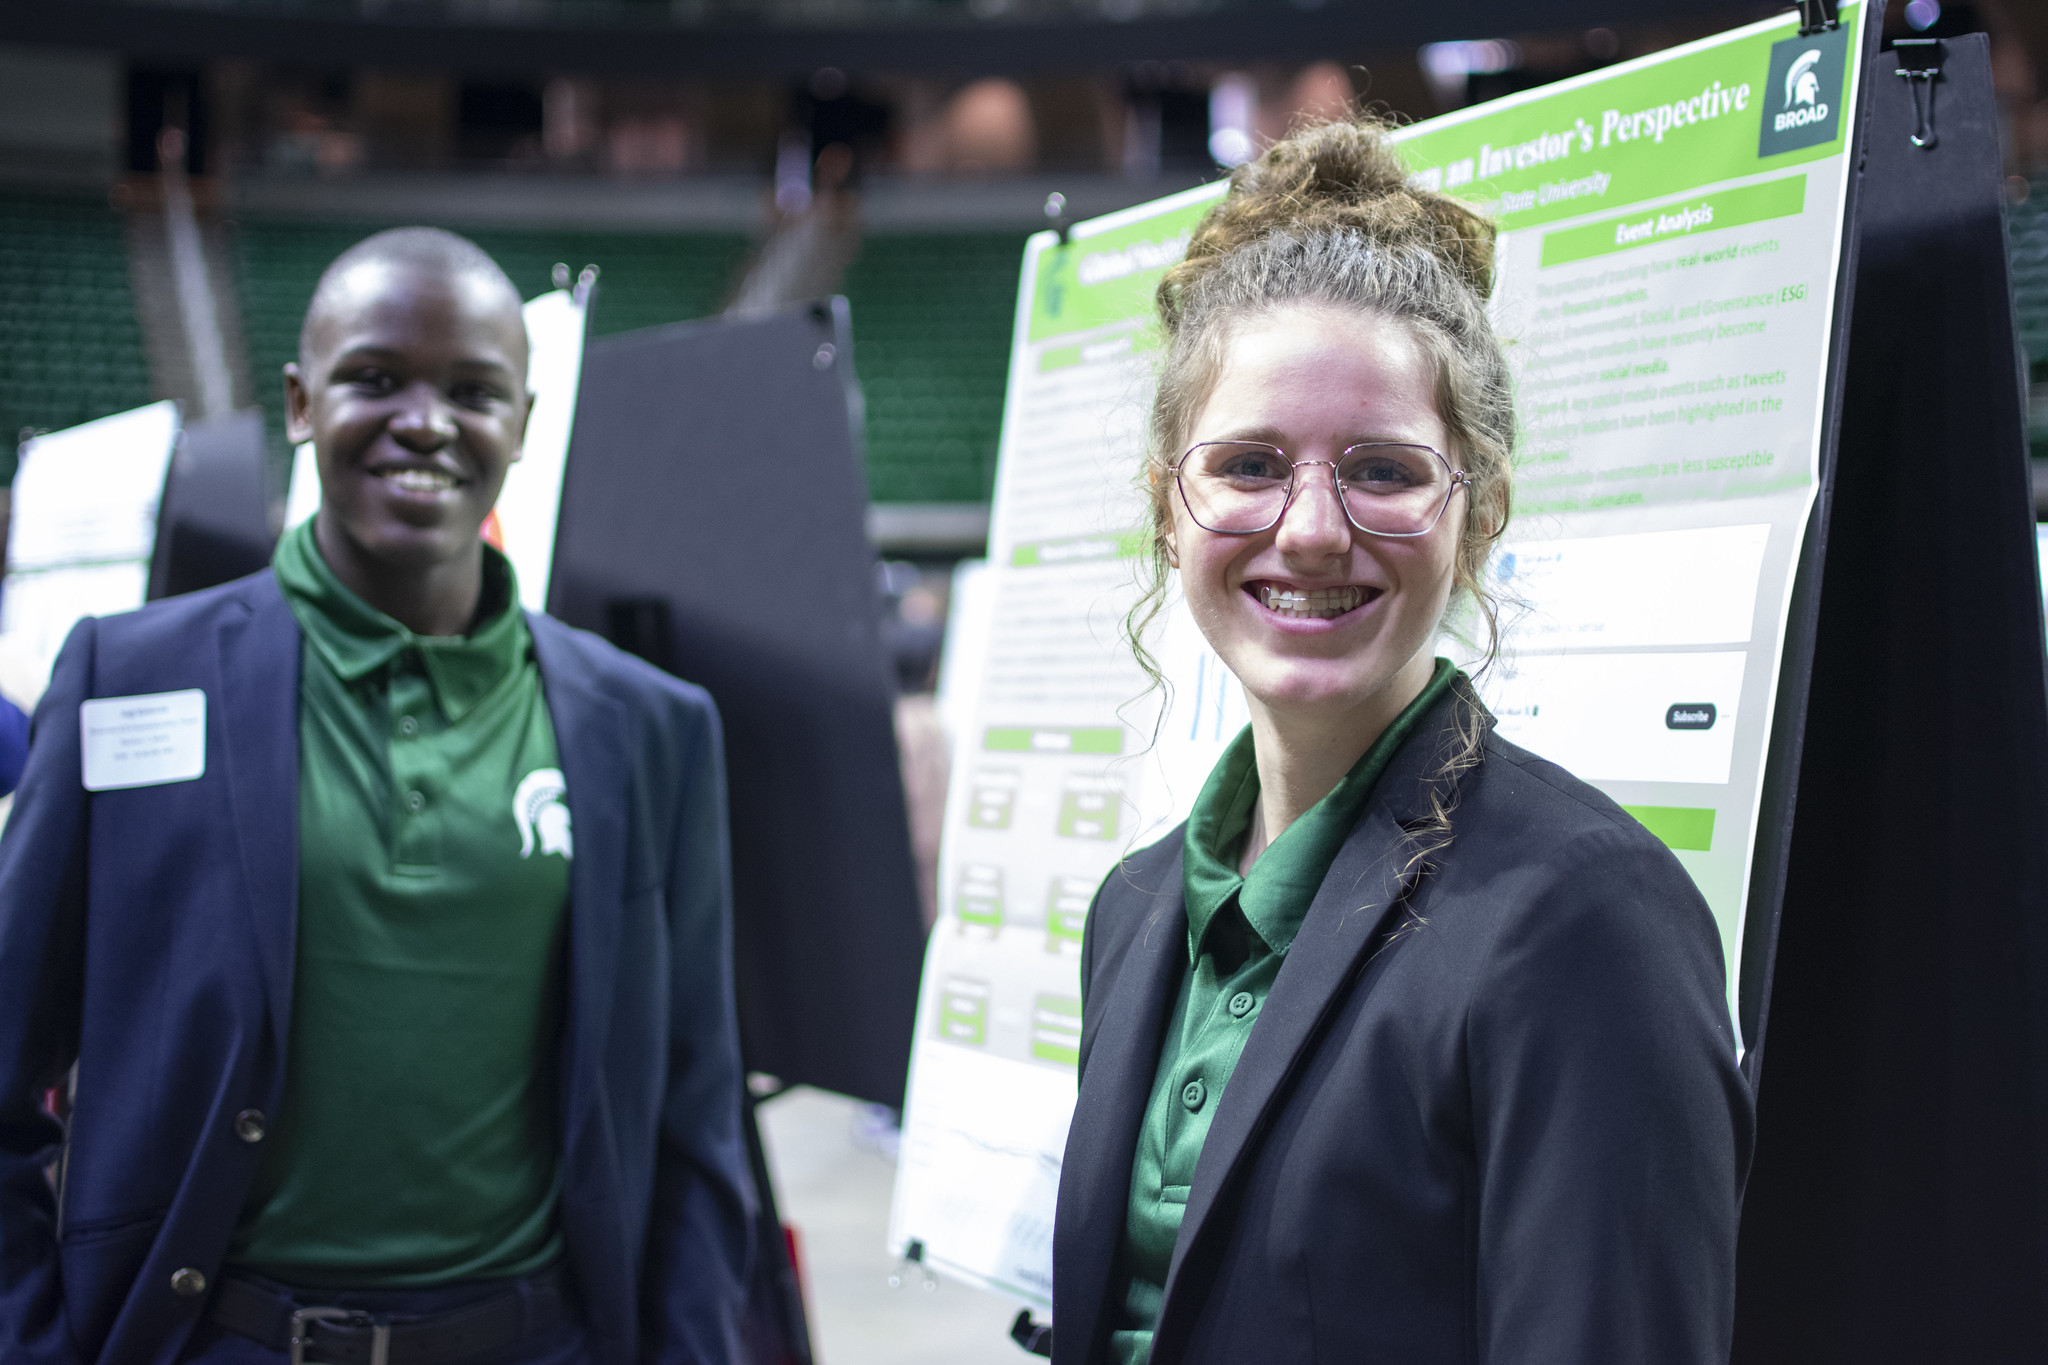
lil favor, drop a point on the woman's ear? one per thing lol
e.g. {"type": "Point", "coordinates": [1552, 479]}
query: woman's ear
{"type": "Point", "coordinates": [1166, 529]}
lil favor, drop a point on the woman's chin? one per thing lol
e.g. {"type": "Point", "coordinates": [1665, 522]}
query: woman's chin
{"type": "Point", "coordinates": [1299, 687]}
{"type": "Point", "coordinates": [1307, 687]}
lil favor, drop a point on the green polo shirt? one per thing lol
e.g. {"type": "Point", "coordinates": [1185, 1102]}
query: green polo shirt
{"type": "Point", "coordinates": [416, 1140]}
{"type": "Point", "coordinates": [1239, 931]}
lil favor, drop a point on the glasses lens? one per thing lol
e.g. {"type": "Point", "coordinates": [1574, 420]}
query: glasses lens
{"type": "Point", "coordinates": [1235, 485]}
{"type": "Point", "coordinates": [1395, 490]}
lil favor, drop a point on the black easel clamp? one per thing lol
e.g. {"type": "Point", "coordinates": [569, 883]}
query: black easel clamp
{"type": "Point", "coordinates": [1034, 1337]}
{"type": "Point", "coordinates": [1816, 16]}
{"type": "Point", "coordinates": [1056, 215]}
{"type": "Point", "coordinates": [1920, 67]}
{"type": "Point", "coordinates": [913, 1255]}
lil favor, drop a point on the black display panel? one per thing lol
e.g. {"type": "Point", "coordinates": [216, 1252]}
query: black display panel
{"type": "Point", "coordinates": [213, 524]}
{"type": "Point", "coordinates": [1897, 1212]}
{"type": "Point", "coordinates": [714, 522]}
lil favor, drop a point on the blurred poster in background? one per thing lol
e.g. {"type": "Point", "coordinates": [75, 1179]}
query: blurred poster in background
{"type": "Point", "coordinates": [82, 527]}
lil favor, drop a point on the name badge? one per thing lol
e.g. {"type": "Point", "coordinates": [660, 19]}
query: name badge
{"type": "Point", "coordinates": [143, 741]}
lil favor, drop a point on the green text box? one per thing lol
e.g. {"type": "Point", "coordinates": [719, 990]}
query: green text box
{"type": "Point", "coordinates": [1088, 814]}
{"type": "Point", "coordinates": [1709, 213]}
{"type": "Point", "coordinates": [1056, 1029]}
{"type": "Point", "coordinates": [1074, 549]}
{"type": "Point", "coordinates": [1686, 827]}
{"type": "Point", "coordinates": [963, 1012]}
{"type": "Point", "coordinates": [1053, 739]}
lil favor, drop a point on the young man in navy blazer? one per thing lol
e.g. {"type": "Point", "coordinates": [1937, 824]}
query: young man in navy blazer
{"type": "Point", "coordinates": [387, 926]}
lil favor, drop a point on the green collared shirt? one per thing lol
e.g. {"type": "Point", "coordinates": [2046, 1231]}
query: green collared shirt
{"type": "Point", "coordinates": [416, 1140]}
{"type": "Point", "coordinates": [1239, 931]}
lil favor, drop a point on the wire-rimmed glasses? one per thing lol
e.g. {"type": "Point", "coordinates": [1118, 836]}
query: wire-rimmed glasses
{"type": "Point", "coordinates": [1387, 488]}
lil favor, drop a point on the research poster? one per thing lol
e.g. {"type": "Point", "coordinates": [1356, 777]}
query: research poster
{"type": "Point", "coordinates": [81, 530]}
{"type": "Point", "coordinates": [1671, 233]}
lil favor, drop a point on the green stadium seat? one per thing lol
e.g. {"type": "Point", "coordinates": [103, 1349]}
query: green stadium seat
{"type": "Point", "coordinates": [931, 338]}
{"type": "Point", "coordinates": [72, 347]}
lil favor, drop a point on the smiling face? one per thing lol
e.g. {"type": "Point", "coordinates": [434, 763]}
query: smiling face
{"type": "Point", "coordinates": [1316, 618]}
{"type": "Point", "coordinates": [412, 388]}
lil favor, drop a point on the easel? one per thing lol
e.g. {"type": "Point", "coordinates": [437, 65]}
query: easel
{"type": "Point", "coordinates": [1898, 1207]}
{"type": "Point", "coordinates": [712, 523]}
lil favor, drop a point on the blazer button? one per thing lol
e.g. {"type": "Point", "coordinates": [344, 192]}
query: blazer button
{"type": "Point", "coordinates": [188, 1283]}
{"type": "Point", "coordinates": [249, 1125]}
{"type": "Point", "coordinates": [1192, 1094]}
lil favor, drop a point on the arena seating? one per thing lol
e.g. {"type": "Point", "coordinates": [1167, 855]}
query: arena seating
{"type": "Point", "coordinates": [2027, 226]}
{"type": "Point", "coordinates": [70, 347]}
{"type": "Point", "coordinates": [932, 315]}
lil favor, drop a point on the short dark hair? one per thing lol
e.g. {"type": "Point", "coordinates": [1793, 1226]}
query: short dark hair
{"type": "Point", "coordinates": [429, 247]}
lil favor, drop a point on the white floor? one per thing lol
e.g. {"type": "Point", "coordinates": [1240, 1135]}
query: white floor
{"type": "Point", "coordinates": [833, 1173]}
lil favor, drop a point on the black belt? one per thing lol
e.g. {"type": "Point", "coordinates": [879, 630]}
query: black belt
{"type": "Point", "coordinates": [318, 1335]}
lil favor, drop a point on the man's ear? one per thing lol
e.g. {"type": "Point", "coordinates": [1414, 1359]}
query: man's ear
{"type": "Point", "coordinates": [519, 450]}
{"type": "Point", "coordinates": [298, 415]}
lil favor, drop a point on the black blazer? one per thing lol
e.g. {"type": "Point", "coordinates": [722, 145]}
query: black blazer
{"type": "Point", "coordinates": [1490, 1111]}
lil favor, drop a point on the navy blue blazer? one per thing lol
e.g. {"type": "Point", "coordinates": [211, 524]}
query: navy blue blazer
{"type": "Point", "coordinates": [1488, 1113]}
{"type": "Point", "coordinates": [148, 935]}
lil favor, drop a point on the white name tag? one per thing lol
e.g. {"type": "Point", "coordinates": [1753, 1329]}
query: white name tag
{"type": "Point", "coordinates": [143, 741]}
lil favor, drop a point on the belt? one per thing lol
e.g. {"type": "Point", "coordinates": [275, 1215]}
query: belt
{"type": "Point", "coordinates": [317, 1335]}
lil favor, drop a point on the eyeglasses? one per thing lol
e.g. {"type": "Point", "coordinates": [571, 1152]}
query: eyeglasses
{"type": "Point", "coordinates": [1240, 488]}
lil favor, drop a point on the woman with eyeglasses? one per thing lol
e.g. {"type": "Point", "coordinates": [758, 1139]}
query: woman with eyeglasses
{"type": "Point", "coordinates": [1409, 1046]}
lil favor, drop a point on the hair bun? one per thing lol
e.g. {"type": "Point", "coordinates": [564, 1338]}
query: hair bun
{"type": "Point", "coordinates": [1334, 177]}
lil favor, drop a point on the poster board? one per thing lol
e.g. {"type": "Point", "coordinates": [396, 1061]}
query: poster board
{"type": "Point", "coordinates": [81, 530]}
{"type": "Point", "coordinates": [704, 450]}
{"type": "Point", "coordinates": [1669, 267]}
{"type": "Point", "coordinates": [523, 522]}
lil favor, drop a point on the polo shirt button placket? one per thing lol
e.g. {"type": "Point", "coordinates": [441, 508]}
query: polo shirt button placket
{"type": "Point", "coordinates": [408, 727]}
{"type": "Point", "coordinates": [1242, 1004]}
{"type": "Point", "coordinates": [415, 802]}
{"type": "Point", "coordinates": [1192, 1094]}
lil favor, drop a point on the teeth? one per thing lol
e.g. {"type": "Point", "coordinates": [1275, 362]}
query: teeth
{"type": "Point", "coordinates": [420, 480]}
{"type": "Point", "coordinates": [1319, 605]}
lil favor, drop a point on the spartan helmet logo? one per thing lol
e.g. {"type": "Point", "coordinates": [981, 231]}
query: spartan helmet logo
{"type": "Point", "coordinates": [1802, 84]}
{"type": "Point", "coordinates": [542, 815]}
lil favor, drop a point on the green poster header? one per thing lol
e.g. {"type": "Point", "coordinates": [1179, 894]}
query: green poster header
{"type": "Point", "coordinates": [1729, 208]}
{"type": "Point", "coordinates": [1108, 277]}
{"type": "Point", "coordinates": [1762, 100]}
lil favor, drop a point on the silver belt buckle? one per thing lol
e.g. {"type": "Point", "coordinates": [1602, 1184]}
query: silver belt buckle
{"type": "Point", "coordinates": [302, 1318]}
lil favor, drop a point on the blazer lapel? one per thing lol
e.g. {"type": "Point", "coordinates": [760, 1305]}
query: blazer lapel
{"type": "Point", "coordinates": [591, 742]}
{"type": "Point", "coordinates": [257, 732]}
{"type": "Point", "coordinates": [1102, 1142]}
{"type": "Point", "coordinates": [1369, 877]}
